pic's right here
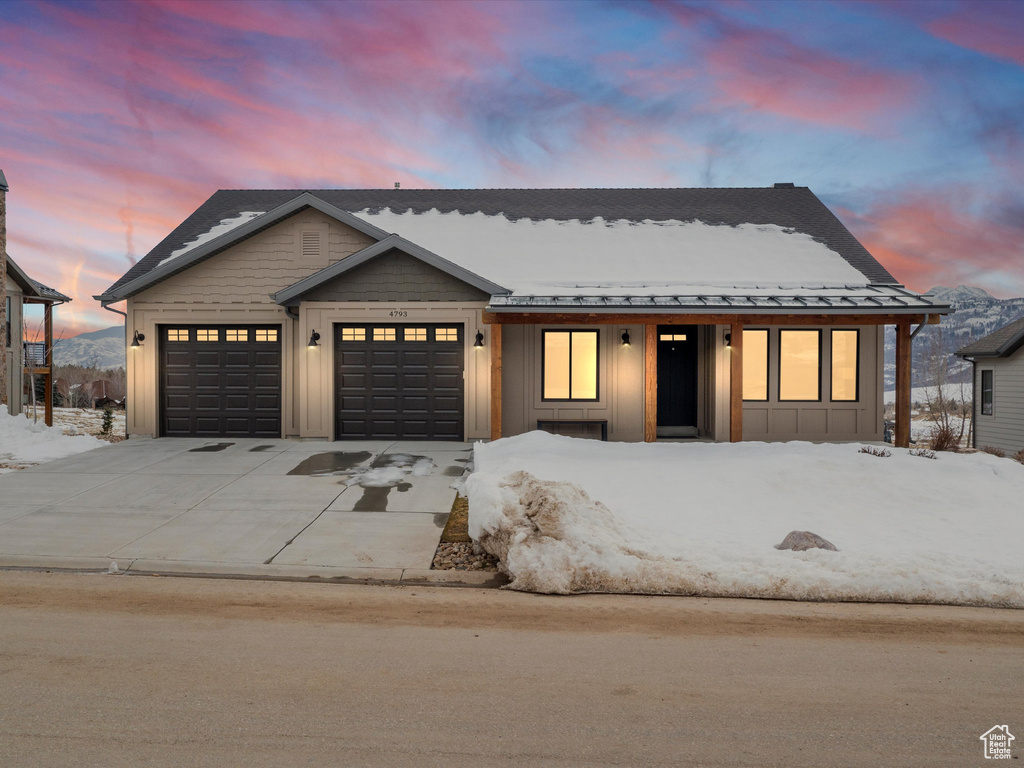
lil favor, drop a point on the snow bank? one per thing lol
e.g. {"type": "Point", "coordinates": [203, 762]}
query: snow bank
{"type": "Point", "coordinates": [567, 515]}
{"type": "Point", "coordinates": [25, 442]}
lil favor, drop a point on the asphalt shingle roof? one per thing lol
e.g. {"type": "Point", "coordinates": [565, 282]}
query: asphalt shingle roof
{"type": "Point", "coordinates": [1000, 343]}
{"type": "Point", "coordinates": [794, 207]}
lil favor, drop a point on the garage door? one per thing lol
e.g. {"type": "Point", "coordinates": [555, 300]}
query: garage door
{"type": "Point", "coordinates": [399, 381]}
{"type": "Point", "coordinates": [220, 381]}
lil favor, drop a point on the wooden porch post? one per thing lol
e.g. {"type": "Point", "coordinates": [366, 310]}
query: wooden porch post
{"type": "Point", "coordinates": [495, 381]}
{"type": "Point", "coordinates": [48, 376]}
{"type": "Point", "coordinates": [902, 437]}
{"type": "Point", "coordinates": [650, 383]}
{"type": "Point", "coordinates": [736, 383]}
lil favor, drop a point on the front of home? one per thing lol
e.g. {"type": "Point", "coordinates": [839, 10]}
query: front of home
{"type": "Point", "coordinates": [721, 314]}
{"type": "Point", "coordinates": [998, 374]}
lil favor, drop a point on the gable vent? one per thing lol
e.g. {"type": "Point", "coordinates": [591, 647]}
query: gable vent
{"type": "Point", "coordinates": [310, 245]}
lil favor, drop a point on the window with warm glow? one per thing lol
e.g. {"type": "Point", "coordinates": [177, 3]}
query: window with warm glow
{"type": "Point", "coordinates": [844, 365]}
{"type": "Point", "coordinates": [177, 334]}
{"type": "Point", "coordinates": [446, 334]}
{"type": "Point", "coordinates": [266, 334]}
{"type": "Point", "coordinates": [570, 365]}
{"type": "Point", "coordinates": [755, 365]}
{"type": "Point", "coordinates": [799, 365]}
{"type": "Point", "coordinates": [236, 334]}
{"type": "Point", "coordinates": [672, 336]}
{"type": "Point", "coordinates": [353, 334]}
{"type": "Point", "coordinates": [207, 334]}
{"type": "Point", "coordinates": [383, 334]}
{"type": "Point", "coordinates": [415, 334]}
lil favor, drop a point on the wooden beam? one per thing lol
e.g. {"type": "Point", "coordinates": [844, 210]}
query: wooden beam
{"type": "Point", "coordinates": [48, 376]}
{"type": "Point", "coordinates": [736, 383]}
{"type": "Point", "coordinates": [902, 437]}
{"type": "Point", "coordinates": [650, 383]}
{"type": "Point", "coordinates": [496, 382]}
{"type": "Point", "coordinates": [596, 318]}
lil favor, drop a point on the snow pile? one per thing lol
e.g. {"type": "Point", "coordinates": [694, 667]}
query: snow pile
{"type": "Point", "coordinates": [548, 257]}
{"type": "Point", "coordinates": [225, 226]}
{"type": "Point", "coordinates": [567, 515]}
{"type": "Point", "coordinates": [24, 442]}
{"type": "Point", "coordinates": [390, 469]}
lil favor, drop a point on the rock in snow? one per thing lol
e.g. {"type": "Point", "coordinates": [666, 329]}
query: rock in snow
{"type": "Point", "coordinates": [800, 541]}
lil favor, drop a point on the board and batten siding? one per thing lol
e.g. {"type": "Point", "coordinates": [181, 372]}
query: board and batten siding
{"type": "Point", "coordinates": [13, 384]}
{"type": "Point", "coordinates": [1005, 427]}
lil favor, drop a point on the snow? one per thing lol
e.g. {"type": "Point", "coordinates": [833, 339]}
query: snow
{"type": "Point", "coordinates": [23, 442]}
{"type": "Point", "coordinates": [600, 258]}
{"type": "Point", "coordinates": [922, 394]}
{"type": "Point", "coordinates": [225, 226]}
{"type": "Point", "coordinates": [704, 519]}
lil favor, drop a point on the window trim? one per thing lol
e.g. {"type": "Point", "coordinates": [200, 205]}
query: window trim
{"type": "Point", "coordinates": [991, 391]}
{"type": "Point", "coordinates": [778, 373]}
{"type": "Point", "coordinates": [832, 370]}
{"type": "Point", "coordinates": [767, 367]}
{"type": "Point", "coordinates": [597, 365]}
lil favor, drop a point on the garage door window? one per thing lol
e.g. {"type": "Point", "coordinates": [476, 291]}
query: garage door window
{"type": "Point", "coordinates": [353, 334]}
{"type": "Point", "coordinates": [446, 334]}
{"type": "Point", "coordinates": [207, 334]}
{"type": "Point", "coordinates": [266, 334]}
{"type": "Point", "coordinates": [415, 334]}
{"type": "Point", "coordinates": [177, 334]}
{"type": "Point", "coordinates": [236, 334]}
{"type": "Point", "coordinates": [383, 334]}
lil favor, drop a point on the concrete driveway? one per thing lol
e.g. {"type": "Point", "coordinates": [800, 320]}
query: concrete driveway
{"type": "Point", "coordinates": [353, 510]}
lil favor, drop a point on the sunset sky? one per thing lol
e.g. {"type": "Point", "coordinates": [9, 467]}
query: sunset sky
{"type": "Point", "coordinates": [118, 119]}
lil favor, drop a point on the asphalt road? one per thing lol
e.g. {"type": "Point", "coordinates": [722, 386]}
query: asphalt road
{"type": "Point", "coordinates": [146, 671]}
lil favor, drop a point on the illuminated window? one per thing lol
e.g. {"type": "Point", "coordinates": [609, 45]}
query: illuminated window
{"type": "Point", "coordinates": [236, 334]}
{"type": "Point", "coordinates": [177, 334]}
{"type": "Point", "coordinates": [987, 388]}
{"type": "Point", "coordinates": [415, 334]}
{"type": "Point", "coordinates": [207, 334]}
{"type": "Point", "coordinates": [446, 334]}
{"type": "Point", "coordinates": [383, 334]}
{"type": "Point", "coordinates": [353, 334]}
{"type": "Point", "coordinates": [266, 334]}
{"type": "Point", "coordinates": [755, 365]}
{"type": "Point", "coordinates": [799, 365]}
{"type": "Point", "coordinates": [570, 365]}
{"type": "Point", "coordinates": [672, 336]}
{"type": "Point", "coordinates": [844, 365]}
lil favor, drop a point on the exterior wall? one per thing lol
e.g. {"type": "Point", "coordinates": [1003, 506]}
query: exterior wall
{"type": "Point", "coordinates": [1005, 427]}
{"type": "Point", "coordinates": [620, 382]}
{"type": "Point", "coordinates": [13, 384]}
{"type": "Point", "coordinates": [822, 421]}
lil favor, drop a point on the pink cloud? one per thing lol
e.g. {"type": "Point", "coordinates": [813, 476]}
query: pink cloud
{"type": "Point", "coordinates": [993, 28]}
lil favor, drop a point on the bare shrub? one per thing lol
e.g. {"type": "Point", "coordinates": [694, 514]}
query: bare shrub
{"type": "Point", "coordinates": [944, 438]}
{"type": "Point", "coordinates": [923, 453]}
{"type": "Point", "coordinates": [1019, 456]}
{"type": "Point", "coordinates": [880, 452]}
{"type": "Point", "coordinates": [994, 451]}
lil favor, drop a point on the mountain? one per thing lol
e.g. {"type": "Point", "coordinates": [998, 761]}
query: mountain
{"type": "Point", "coordinates": [977, 314]}
{"type": "Point", "coordinates": [100, 349]}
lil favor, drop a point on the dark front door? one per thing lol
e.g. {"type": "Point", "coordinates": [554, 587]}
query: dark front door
{"type": "Point", "coordinates": [398, 381]}
{"type": "Point", "coordinates": [220, 381]}
{"type": "Point", "coordinates": [677, 378]}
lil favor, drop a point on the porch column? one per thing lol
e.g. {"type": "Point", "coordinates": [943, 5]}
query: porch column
{"type": "Point", "coordinates": [48, 376]}
{"type": "Point", "coordinates": [495, 381]}
{"type": "Point", "coordinates": [736, 383]}
{"type": "Point", "coordinates": [650, 383]}
{"type": "Point", "coordinates": [902, 437]}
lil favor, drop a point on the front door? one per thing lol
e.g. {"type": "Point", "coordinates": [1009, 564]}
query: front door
{"type": "Point", "coordinates": [677, 381]}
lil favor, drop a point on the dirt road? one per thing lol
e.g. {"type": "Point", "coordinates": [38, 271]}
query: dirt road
{"type": "Point", "coordinates": [119, 670]}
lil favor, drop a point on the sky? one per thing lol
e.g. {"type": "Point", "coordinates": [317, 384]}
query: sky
{"type": "Point", "coordinates": [118, 119]}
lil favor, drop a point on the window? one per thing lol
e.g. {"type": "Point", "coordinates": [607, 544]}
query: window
{"type": "Point", "coordinates": [383, 334]}
{"type": "Point", "coordinates": [800, 365]}
{"type": "Point", "coordinates": [845, 365]}
{"type": "Point", "coordinates": [207, 334]}
{"type": "Point", "coordinates": [236, 334]}
{"type": "Point", "coordinates": [446, 334]}
{"type": "Point", "coordinates": [755, 365]}
{"type": "Point", "coordinates": [569, 365]}
{"type": "Point", "coordinates": [266, 334]}
{"type": "Point", "coordinates": [177, 334]}
{"type": "Point", "coordinates": [986, 392]}
{"type": "Point", "coordinates": [353, 334]}
{"type": "Point", "coordinates": [672, 337]}
{"type": "Point", "coordinates": [415, 334]}
{"type": "Point", "coordinates": [7, 317]}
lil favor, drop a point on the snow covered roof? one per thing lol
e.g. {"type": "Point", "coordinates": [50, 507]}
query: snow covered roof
{"type": "Point", "coordinates": [748, 247]}
{"type": "Point", "coordinates": [1002, 342]}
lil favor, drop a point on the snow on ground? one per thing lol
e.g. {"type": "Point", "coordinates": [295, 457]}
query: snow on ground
{"type": "Point", "coordinates": [24, 443]}
{"type": "Point", "coordinates": [922, 394]}
{"type": "Point", "coordinates": [550, 257]}
{"type": "Point", "coordinates": [704, 518]}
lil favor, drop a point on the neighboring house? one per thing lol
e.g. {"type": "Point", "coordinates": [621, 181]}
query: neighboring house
{"type": "Point", "coordinates": [998, 387]}
{"type": "Point", "coordinates": [723, 314]}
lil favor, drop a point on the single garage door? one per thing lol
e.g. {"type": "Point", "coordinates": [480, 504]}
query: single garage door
{"type": "Point", "coordinates": [398, 381]}
{"type": "Point", "coordinates": [220, 381]}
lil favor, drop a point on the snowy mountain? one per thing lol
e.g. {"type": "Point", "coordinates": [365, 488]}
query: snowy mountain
{"type": "Point", "coordinates": [977, 314]}
{"type": "Point", "coordinates": [100, 349]}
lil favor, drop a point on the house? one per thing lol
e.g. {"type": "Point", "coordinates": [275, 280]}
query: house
{"type": "Point", "coordinates": [998, 375]}
{"type": "Point", "coordinates": [19, 290]}
{"type": "Point", "coordinates": [630, 314]}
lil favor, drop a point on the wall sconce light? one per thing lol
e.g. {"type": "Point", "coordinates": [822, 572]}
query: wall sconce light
{"type": "Point", "coordinates": [137, 339]}
{"type": "Point", "coordinates": [479, 339]}
{"type": "Point", "coordinates": [728, 339]}
{"type": "Point", "coordinates": [313, 338]}
{"type": "Point", "coordinates": [625, 338]}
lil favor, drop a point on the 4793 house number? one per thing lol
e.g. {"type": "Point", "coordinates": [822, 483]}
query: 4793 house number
{"type": "Point", "coordinates": [398, 313]}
